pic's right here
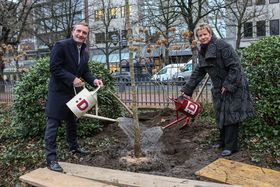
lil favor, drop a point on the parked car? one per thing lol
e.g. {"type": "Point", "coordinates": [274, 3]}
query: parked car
{"type": "Point", "coordinates": [123, 76]}
{"type": "Point", "coordinates": [143, 77]}
{"type": "Point", "coordinates": [184, 74]}
{"type": "Point", "coordinates": [182, 77]}
{"type": "Point", "coordinates": [167, 72]}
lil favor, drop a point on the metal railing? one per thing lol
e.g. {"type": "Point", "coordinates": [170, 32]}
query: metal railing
{"type": "Point", "coordinates": [157, 94]}
{"type": "Point", "coordinates": [6, 92]}
{"type": "Point", "coordinates": [150, 94]}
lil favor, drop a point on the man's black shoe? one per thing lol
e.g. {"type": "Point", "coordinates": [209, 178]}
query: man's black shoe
{"type": "Point", "coordinates": [80, 151]}
{"type": "Point", "coordinates": [54, 166]}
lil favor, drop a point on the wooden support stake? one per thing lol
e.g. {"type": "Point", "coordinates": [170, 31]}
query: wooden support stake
{"type": "Point", "coordinates": [202, 88]}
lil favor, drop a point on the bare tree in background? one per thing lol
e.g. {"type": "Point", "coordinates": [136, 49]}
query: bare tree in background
{"type": "Point", "coordinates": [163, 17]}
{"type": "Point", "coordinates": [14, 16]}
{"type": "Point", "coordinates": [54, 19]}
{"type": "Point", "coordinates": [193, 12]}
{"type": "Point", "coordinates": [217, 21]}
{"type": "Point", "coordinates": [106, 11]}
{"type": "Point", "coordinates": [237, 13]}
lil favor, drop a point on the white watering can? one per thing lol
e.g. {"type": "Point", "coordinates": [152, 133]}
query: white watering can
{"type": "Point", "coordinates": [85, 100]}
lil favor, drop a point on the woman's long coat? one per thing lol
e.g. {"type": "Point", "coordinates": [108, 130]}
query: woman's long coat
{"type": "Point", "coordinates": [223, 66]}
{"type": "Point", "coordinates": [64, 69]}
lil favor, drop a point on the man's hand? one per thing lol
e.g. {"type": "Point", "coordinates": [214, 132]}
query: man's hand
{"type": "Point", "coordinates": [78, 82]}
{"type": "Point", "coordinates": [98, 83]}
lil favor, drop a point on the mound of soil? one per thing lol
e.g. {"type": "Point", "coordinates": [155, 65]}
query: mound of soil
{"type": "Point", "coordinates": [177, 153]}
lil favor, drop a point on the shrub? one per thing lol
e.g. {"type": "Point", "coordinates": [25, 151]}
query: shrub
{"type": "Point", "coordinates": [207, 113]}
{"type": "Point", "coordinates": [16, 155]}
{"type": "Point", "coordinates": [31, 94]}
{"type": "Point", "coordinates": [261, 62]}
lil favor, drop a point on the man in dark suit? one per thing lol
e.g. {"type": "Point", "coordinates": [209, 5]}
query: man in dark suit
{"type": "Point", "coordinates": [68, 64]}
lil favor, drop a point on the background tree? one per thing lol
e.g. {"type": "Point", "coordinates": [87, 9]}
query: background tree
{"type": "Point", "coordinates": [14, 16]}
{"type": "Point", "coordinates": [237, 13]}
{"type": "Point", "coordinates": [54, 20]}
{"type": "Point", "coordinates": [104, 15]}
{"type": "Point", "coordinates": [193, 12]}
{"type": "Point", "coordinates": [162, 18]}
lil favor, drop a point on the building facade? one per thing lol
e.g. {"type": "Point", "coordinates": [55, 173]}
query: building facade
{"type": "Point", "coordinates": [264, 23]}
{"type": "Point", "coordinates": [107, 38]}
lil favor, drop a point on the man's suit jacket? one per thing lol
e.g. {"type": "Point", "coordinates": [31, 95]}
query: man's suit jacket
{"type": "Point", "coordinates": [64, 68]}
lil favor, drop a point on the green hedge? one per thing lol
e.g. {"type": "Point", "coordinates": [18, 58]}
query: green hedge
{"type": "Point", "coordinates": [261, 61]}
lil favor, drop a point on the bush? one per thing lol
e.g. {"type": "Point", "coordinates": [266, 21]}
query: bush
{"type": "Point", "coordinates": [262, 64]}
{"type": "Point", "coordinates": [207, 113]}
{"type": "Point", "coordinates": [31, 94]}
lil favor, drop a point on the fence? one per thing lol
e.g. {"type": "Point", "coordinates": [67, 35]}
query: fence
{"type": "Point", "coordinates": [155, 94]}
{"type": "Point", "coordinates": [6, 92]}
{"type": "Point", "coordinates": [149, 94]}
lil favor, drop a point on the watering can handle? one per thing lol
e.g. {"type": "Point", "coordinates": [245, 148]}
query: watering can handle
{"type": "Point", "coordinates": [75, 91]}
{"type": "Point", "coordinates": [92, 93]}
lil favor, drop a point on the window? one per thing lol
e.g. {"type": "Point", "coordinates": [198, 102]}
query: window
{"type": "Point", "coordinates": [124, 33]}
{"type": "Point", "coordinates": [116, 35]}
{"type": "Point", "coordinates": [113, 12]}
{"type": "Point", "coordinates": [123, 11]}
{"type": "Point", "coordinates": [99, 15]}
{"type": "Point", "coordinates": [249, 2]}
{"type": "Point", "coordinates": [187, 67]}
{"type": "Point", "coordinates": [273, 1]}
{"type": "Point", "coordinates": [274, 27]}
{"type": "Point", "coordinates": [111, 34]}
{"type": "Point", "coordinates": [248, 29]}
{"type": "Point", "coordinates": [162, 71]}
{"type": "Point", "coordinates": [260, 2]}
{"type": "Point", "coordinates": [100, 38]}
{"type": "Point", "coordinates": [261, 28]}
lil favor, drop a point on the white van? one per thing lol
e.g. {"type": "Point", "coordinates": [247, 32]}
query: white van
{"type": "Point", "coordinates": [167, 72]}
{"type": "Point", "coordinates": [185, 72]}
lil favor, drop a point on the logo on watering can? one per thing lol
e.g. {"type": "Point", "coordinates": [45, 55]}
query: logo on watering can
{"type": "Point", "coordinates": [191, 108]}
{"type": "Point", "coordinates": [82, 105]}
{"type": "Point", "coordinates": [82, 102]}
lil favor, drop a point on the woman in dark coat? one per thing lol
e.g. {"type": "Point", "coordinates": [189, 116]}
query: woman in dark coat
{"type": "Point", "coordinates": [231, 99]}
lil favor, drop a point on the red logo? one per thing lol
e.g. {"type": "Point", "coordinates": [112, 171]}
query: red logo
{"type": "Point", "coordinates": [82, 105]}
{"type": "Point", "coordinates": [191, 108]}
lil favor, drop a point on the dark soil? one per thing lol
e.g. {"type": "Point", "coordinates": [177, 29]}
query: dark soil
{"type": "Point", "coordinates": [178, 153]}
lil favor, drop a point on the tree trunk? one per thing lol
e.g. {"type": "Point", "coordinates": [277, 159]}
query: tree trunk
{"type": "Point", "coordinates": [2, 86]}
{"type": "Point", "coordinates": [194, 57]}
{"type": "Point", "coordinates": [137, 145]}
{"type": "Point", "coordinates": [238, 38]}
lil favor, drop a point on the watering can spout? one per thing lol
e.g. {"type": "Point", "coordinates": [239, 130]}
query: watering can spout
{"type": "Point", "coordinates": [100, 117]}
{"type": "Point", "coordinates": [85, 100]}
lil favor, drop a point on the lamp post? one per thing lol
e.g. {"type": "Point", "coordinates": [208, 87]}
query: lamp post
{"type": "Point", "coordinates": [121, 40]}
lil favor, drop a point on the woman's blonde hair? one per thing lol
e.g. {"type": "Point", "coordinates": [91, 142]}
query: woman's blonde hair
{"type": "Point", "coordinates": [202, 26]}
